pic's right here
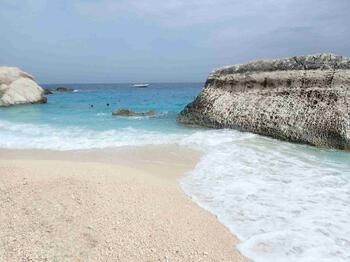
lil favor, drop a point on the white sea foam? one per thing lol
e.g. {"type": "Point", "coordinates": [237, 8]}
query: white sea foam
{"type": "Point", "coordinates": [285, 202]}
{"type": "Point", "coordinates": [29, 136]}
{"type": "Point", "coordinates": [34, 136]}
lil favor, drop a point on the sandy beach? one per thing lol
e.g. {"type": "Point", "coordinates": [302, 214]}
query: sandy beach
{"type": "Point", "coordinates": [105, 205]}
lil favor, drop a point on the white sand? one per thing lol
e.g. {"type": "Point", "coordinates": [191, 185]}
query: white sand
{"type": "Point", "coordinates": [129, 208]}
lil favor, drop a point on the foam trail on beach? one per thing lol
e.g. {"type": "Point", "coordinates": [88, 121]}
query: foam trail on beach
{"type": "Point", "coordinates": [285, 202]}
{"type": "Point", "coordinates": [29, 136]}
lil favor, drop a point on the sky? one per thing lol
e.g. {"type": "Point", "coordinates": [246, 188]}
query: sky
{"type": "Point", "coordinates": [110, 41]}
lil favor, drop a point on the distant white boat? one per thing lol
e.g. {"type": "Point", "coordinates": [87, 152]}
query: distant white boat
{"type": "Point", "coordinates": [140, 85]}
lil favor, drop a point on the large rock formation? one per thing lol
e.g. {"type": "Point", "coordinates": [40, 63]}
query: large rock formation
{"type": "Point", "coordinates": [18, 87]}
{"type": "Point", "coordinates": [302, 99]}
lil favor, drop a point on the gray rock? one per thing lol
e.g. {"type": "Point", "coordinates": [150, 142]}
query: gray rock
{"type": "Point", "coordinates": [63, 89]}
{"type": "Point", "coordinates": [18, 87]}
{"type": "Point", "coordinates": [47, 91]}
{"type": "Point", "coordinates": [300, 99]}
{"type": "Point", "coordinates": [127, 112]}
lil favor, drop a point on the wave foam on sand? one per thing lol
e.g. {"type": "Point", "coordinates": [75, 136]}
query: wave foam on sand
{"type": "Point", "coordinates": [284, 201]}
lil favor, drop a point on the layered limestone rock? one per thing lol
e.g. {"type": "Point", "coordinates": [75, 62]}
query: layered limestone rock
{"type": "Point", "coordinates": [301, 99]}
{"type": "Point", "coordinates": [18, 87]}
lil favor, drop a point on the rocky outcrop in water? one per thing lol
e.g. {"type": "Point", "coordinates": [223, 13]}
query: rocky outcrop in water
{"type": "Point", "coordinates": [50, 91]}
{"type": "Point", "coordinates": [18, 87]}
{"type": "Point", "coordinates": [303, 99]}
{"type": "Point", "coordinates": [47, 91]}
{"type": "Point", "coordinates": [127, 112]}
{"type": "Point", "coordinates": [63, 89]}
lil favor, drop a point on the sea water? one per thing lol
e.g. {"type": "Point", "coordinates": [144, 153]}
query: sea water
{"type": "Point", "coordinates": [285, 202]}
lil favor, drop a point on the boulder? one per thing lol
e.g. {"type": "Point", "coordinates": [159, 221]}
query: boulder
{"type": "Point", "coordinates": [18, 87]}
{"type": "Point", "coordinates": [127, 112]}
{"type": "Point", "coordinates": [303, 99]}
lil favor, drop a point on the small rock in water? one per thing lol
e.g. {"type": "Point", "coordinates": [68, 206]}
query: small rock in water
{"type": "Point", "coordinates": [47, 91]}
{"type": "Point", "coordinates": [127, 112]}
{"type": "Point", "coordinates": [63, 89]}
{"type": "Point", "coordinates": [50, 91]}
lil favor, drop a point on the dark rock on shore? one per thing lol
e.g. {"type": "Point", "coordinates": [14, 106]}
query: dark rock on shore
{"type": "Point", "coordinates": [303, 99]}
{"type": "Point", "coordinates": [127, 112]}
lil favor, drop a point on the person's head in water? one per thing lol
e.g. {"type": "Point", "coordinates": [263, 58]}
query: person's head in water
{"type": "Point", "coordinates": [107, 104]}
{"type": "Point", "coordinates": [91, 105]}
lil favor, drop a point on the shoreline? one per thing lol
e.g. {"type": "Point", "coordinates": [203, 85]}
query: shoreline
{"type": "Point", "coordinates": [150, 158]}
{"type": "Point", "coordinates": [135, 189]}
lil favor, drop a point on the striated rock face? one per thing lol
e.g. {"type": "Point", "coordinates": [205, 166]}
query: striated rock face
{"type": "Point", "coordinates": [302, 99]}
{"type": "Point", "coordinates": [18, 87]}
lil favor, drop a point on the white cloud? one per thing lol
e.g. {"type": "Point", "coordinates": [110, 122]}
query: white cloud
{"type": "Point", "coordinates": [178, 12]}
{"type": "Point", "coordinates": [235, 29]}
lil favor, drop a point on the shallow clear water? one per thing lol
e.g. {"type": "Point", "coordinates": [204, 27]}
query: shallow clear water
{"type": "Point", "coordinates": [286, 202]}
{"type": "Point", "coordinates": [74, 108]}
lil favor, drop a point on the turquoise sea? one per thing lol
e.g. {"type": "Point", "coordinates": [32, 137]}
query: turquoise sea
{"type": "Point", "coordinates": [286, 202]}
{"type": "Point", "coordinates": [74, 109]}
